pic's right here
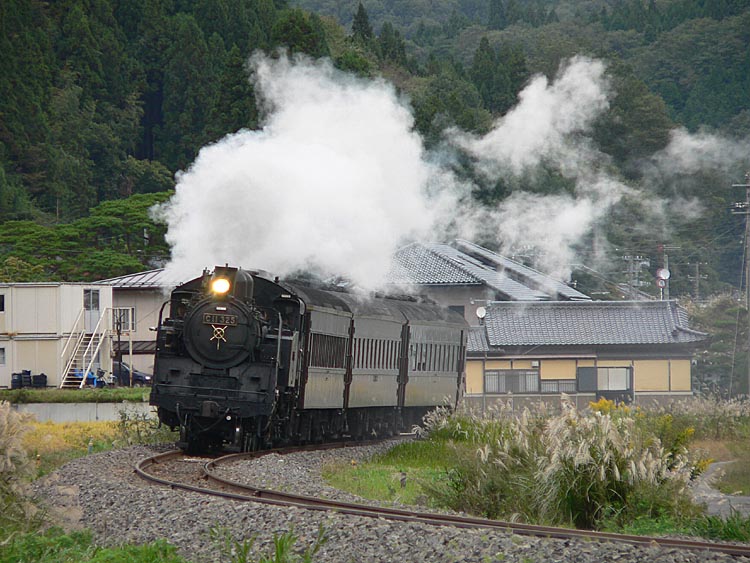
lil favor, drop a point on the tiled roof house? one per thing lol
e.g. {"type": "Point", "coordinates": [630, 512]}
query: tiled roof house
{"type": "Point", "coordinates": [629, 350]}
{"type": "Point", "coordinates": [464, 276]}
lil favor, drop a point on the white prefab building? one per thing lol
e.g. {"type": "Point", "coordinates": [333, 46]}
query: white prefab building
{"type": "Point", "coordinates": [138, 300]}
{"type": "Point", "coordinates": [55, 329]}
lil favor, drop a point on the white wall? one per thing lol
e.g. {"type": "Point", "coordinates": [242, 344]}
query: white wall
{"type": "Point", "coordinates": [36, 322]}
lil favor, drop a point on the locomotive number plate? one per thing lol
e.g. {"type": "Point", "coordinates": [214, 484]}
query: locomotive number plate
{"type": "Point", "coordinates": [217, 319]}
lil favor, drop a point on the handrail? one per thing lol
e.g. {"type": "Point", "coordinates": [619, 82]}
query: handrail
{"type": "Point", "coordinates": [72, 332]}
{"type": "Point", "coordinates": [88, 348]}
{"type": "Point", "coordinates": [72, 358]}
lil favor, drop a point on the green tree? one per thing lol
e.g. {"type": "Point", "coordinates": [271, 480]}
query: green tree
{"type": "Point", "coordinates": [637, 124]}
{"type": "Point", "coordinates": [13, 269]}
{"type": "Point", "coordinates": [391, 46]}
{"type": "Point", "coordinates": [189, 90]}
{"type": "Point", "coordinates": [234, 106]}
{"type": "Point", "coordinates": [143, 177]}
{"type": "Point", "coordinates": [300, 33]}
{"type": "Point", "coordinates": [445, 100]}
{"type": "Point", "coordinates": [498, 76]}
{"type": "Point", "coordinates": [721, 367]}
{"type": "Point", "coordinates": [361, 28]}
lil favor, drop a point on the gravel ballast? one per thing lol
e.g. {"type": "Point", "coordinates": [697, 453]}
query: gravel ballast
{"type": "Point", "coordinates": [101, 492]}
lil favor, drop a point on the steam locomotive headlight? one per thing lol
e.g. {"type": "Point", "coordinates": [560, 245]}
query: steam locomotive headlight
{"type": "Point", "coordinates": [220, 286]}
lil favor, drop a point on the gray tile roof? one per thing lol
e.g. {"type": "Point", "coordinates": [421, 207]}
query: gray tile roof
{"type": "Point", "coordinates": [419, 264]}
{"type": "Point", "coordinates": [561, 323]}
{"type": "Point", "coordinates": [441, 264]}
{"type": "Point", "coordinates": [521, 273]}
{"type": "Point", "coordinates": [476, 340]}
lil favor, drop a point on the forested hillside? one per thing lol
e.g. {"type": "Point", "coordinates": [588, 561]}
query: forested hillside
{"type": "Point", "coordinates": [105, 100]}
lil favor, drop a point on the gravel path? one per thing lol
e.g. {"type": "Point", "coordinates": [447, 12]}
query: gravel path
{"type": "Point", "coordinates": [102, 493]}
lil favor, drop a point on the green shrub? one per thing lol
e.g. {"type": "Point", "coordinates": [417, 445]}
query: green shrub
{"type": "Point", "coordinates": [734, 527]}
{"type": "Point", "coordinates": [136, 427]}
{"type": "Point", "coordinates": [243, 551]}
{"type": "Point", "coordinates": [571, 468]}
{"type": "Point", "coordinates": [55, 546]}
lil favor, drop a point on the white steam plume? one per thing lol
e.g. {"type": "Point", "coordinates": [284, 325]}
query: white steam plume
{"type": "Point", "coordinates": [690, 153]}
{"type": "Point", "coordinates": [549, 127]}
{"type": "Point", "coordinates": [337, 178]}
{"type": "Point", "coordinates": [334, 182]}
{"type": "Point", "coordinates": [547, 124]}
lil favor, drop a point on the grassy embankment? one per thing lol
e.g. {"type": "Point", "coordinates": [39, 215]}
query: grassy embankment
{"type": "Point", "coordinates": [30, 449]}
{"type": "Point", "coordinates": [610, 468]}
{"type": "Point", "coordinates": [85, 395]}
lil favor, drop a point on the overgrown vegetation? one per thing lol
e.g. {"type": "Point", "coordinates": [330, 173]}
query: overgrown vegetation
{"type": "Point", "coordinates": [232, 550]}
{"type": "Point", "coordinates": [16, 469]}
{"type": "Point", "coordinates": [86, 395]}
{"type": "Point", "coordinates": [30, 449]}
{"type": "Point", "coordinates": [612, 467]}
{"type": "Point", "coordinates": [56, 546]}
{"type": "Point", "coordinates": [51, 444]}
{"type": "Point", "coordinates": [570, 469]}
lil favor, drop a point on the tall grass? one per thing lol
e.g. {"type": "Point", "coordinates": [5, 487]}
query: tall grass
{"type": "Point", "coordinates": [570, 468]}
{"type": "Point", "coordinates": [15, 470]}
{"type": "Point", "coordinates": [55, 546]}
{"type": "Point", "coordinates": [232, 550]}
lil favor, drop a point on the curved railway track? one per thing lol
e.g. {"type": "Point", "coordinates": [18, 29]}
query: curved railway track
{"type": "Point", "coordinates": [154, 469]}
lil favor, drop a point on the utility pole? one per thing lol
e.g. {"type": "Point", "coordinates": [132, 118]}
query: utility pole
{"type": "Point", "coordinates": [633, 271]}
{"type": "Point", "coordinates": [663, 273]}
{"type": "Point", "coordinates": [743, 208]}
{"type": "Point", "coordinates": [696, 279]}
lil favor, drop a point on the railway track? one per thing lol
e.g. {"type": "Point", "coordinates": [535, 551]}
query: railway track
{"type": "Point", "coordinates": [199, 475]}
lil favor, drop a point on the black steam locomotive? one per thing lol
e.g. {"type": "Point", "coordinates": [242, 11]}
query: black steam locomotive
{"type": "Point", "coordinates": [246, 363]}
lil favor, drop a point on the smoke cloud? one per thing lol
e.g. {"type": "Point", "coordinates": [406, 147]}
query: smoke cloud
{"type": "Point", "coordinates": [337, 178]}
{"type": "Point", "coordinates": [549, 127]}
{"type": "Point", "coordinates": [334, 181]}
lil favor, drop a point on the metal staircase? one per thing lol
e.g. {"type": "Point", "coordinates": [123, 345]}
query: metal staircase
{"type": "Point", "coordinates": [81, 351]}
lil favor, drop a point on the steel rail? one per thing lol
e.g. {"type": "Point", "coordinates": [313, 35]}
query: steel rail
{"type": "Point", "coordinates": [278, 498]}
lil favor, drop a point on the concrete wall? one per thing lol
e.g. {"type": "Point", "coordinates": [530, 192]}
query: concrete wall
{"type": "Point", "coordinates": [461, 297]}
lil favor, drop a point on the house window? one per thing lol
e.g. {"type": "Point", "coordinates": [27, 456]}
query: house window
{"type": "Point", "coordinates": [511, 381]}
{"type": "Point", "coordinates": [613, 379]}
{"type": "Point", "coordinates": [2, 356]}
{"type": "Point", "coordinates": [123, 318]}
{"type": "Point", "coordinates": [2, 303]}
{"type": "Point", "coordinates": [91, 299]}
{"type": "Point", "coordinates": [592, 379]}
{"type": "Point", "coordinates": [460, 309]}
{"type": "Point", "coordinates": [558, 385]}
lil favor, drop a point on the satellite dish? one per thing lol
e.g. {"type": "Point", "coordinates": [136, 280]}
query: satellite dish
{"type": "Point", "coordinates": [481, 312]}
{"type": "Point", "coordinates": [663, 274]}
